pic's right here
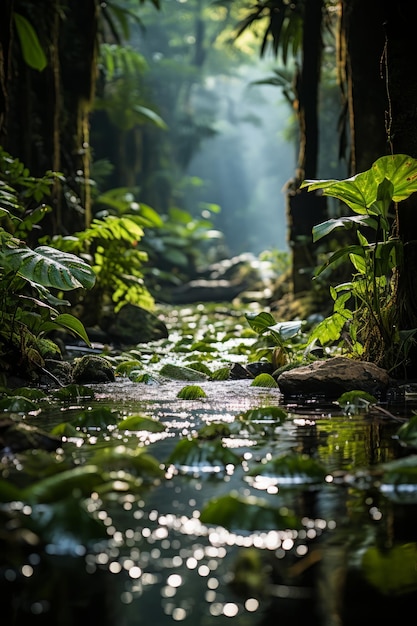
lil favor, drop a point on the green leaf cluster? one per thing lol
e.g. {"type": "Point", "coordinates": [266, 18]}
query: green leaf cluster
{"type": "Point", "coordinates": [32, 279]}
{"type": "Point", "coordinates": [364, 309]}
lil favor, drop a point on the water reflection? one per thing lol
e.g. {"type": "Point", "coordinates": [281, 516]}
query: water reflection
{"type": "Point", "coordinates": [353, 561]}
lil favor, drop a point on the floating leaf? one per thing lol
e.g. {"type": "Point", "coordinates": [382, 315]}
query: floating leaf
{"type": "Point", "coordinates": [100, 417]}
{"type": "Point", "coordinates": [240, 513]}
{"type": "Point", "coordinates": [126, 367]}
{"type": "Point", "coordinates": [191, 392]}
{"type": "Point", "coordinates": [74, 392]}
{"type": "Point", "coordinates": [197, 455]}
{"type": "Point", "coordinates": [264, 380]}
{"type": "Point", "coordinates": [291, 470]}
{"type": "Point", "coordinates": [82, 479]}
{"type": "Point", "coordinates": [119, 458]}
{"type": "Point", "coordinates": [214, 430]}
{"type": "Point", "coordinates": [264, 414]}
{"type": "Point", "coordinates": [356, 401]}
{"type": "Point", "coordinates": [141, 422]}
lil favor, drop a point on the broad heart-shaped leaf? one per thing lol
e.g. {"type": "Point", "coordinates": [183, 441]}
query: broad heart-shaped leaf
{"type": "Point", "coordinates": [50, 267]}
{"type": "Point", "coordinates": [369, 191]}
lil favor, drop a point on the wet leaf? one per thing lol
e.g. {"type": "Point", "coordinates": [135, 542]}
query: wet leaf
{"type": "Point", "coordinates": [141, 422]}
{"type": "Point", "coordinates": [74, 392]}
{"type": "Point", "coordinates": [407, 434]}
{"type": "Point", "coordinates": [191, 392]}
{"type": "Point", "coordinates": [291, 470]}
{"type": "Point", "coordinates": [96, 418]}
{"type": "Point", "coordinates": [264, 380]}
{"type": "Point", "coordinates": [240, 513]}
{"type": "Point", "coordinates": [264, 414]}
{"type": "Point", "coordinates": [197, 454]}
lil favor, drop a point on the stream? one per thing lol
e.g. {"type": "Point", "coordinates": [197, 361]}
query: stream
{"type": "Point", "coordinates": [351, 559]}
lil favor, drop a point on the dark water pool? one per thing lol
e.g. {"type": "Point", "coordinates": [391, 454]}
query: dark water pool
{"type": "Point", "coordinates": [352, 560]}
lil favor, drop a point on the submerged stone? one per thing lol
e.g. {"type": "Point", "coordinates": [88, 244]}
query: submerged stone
{"type": "Point", "coordinates": [334, 376]}
{"type": "Point", "coordinates": [92, 369]}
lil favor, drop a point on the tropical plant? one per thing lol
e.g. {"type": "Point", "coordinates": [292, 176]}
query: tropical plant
{"type": "Point", "coordinates": [111, 243]}
{"type": "Point", "coordinates": [29, 310]}
{"type": "Point", "coordinates": [365, 316]}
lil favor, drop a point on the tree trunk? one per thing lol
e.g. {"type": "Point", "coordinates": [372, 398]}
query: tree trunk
{"type": "Point", "coordinates": [363, 41]}
{"type": "Point", "coordinates": [402, 126]}
{"type": "Point", "coordinates": [305, 209]}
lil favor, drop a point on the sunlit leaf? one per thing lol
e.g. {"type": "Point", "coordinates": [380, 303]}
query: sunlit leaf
{"type": "Point", "coordinates": [50, 267]}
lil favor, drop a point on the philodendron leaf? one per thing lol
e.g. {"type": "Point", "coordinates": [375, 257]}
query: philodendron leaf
{"type": "Point", "coordinates": [240, 513]}
{"type": "Point", "coordinates": [50, 267]}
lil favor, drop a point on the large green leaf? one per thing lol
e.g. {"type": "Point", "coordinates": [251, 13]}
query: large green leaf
{"type": "Point", "coordinates": [50, 267]}
{"type": "Point", "coordinates": [370, 191]}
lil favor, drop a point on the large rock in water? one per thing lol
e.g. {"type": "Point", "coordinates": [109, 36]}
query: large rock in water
{"type": "Point", "coordinates": [334, 376]}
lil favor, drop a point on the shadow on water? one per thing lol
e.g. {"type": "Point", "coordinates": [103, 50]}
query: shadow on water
{"type": "Point", "coordinates": [351, 558]}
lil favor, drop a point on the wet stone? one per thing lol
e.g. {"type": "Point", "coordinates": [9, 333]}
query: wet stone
{"type": "Point", "coordinates": [334, 376]}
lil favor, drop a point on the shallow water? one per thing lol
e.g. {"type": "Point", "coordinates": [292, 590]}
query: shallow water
{"type": "Point", "coordinates": [353, 561]}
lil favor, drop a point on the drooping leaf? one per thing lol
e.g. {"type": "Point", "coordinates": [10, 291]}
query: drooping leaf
{"type": "Point", "coordinates": [50, 267]}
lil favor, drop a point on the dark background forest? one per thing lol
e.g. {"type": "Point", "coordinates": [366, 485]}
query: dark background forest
{"type": "Point", "coordinates": [177, 107]}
